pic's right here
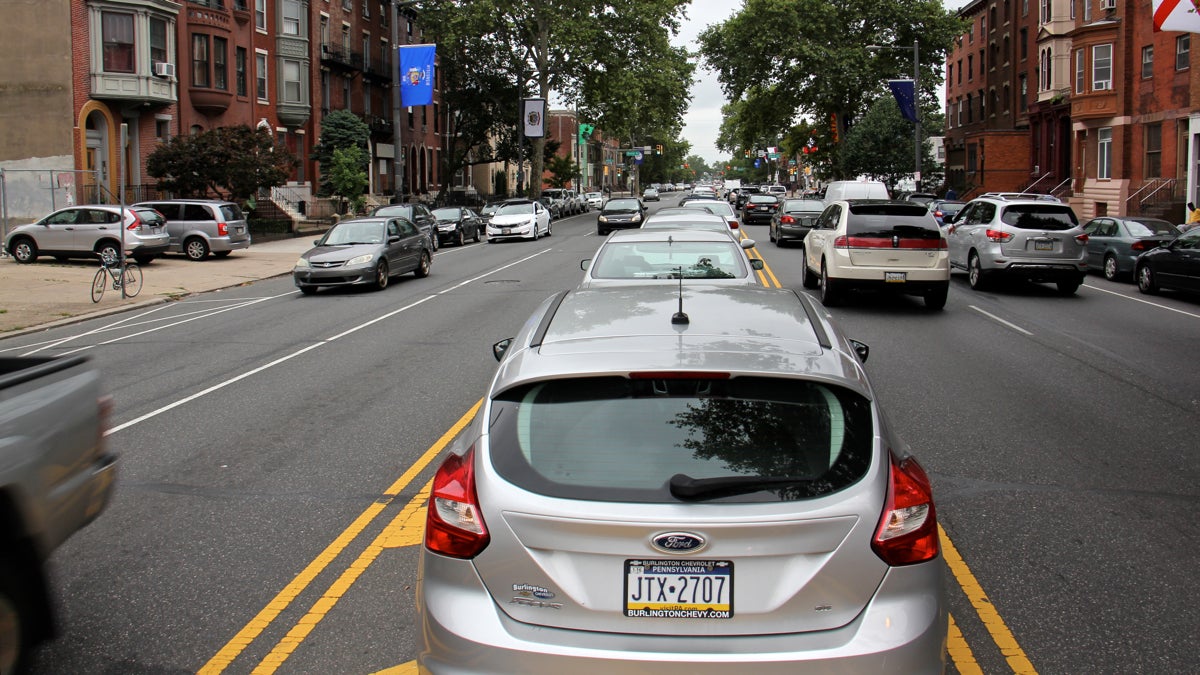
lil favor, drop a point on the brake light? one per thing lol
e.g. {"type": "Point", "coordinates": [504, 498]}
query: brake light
{"type": "Point", "coordinates": [733, 224]}
{"type": "Point", "coordinates": [998, 236]}
{"type": "Point", "coordinates": [841, 242]}
{"type": "Point", "coordinates": [1139, 246]}
{"type": "Point", "coordinates": [749, 207]}
{"type": "Point", "coordinates": [1082, 239]}
{"type": "Point", "coordinates": [907, 533]}
{"type": "Point", "coordinates": [454, 524]}
{"type": "Point", "coordinates": [222, 229]}
{"type": "Point", "coordinates": [787, 220]}
{"type": "Point", "coordinates": [905, 243]}
{"type": "Point", "coordinates": [938, 214]}
{"type": "Point", "coordinates": [136, 222]}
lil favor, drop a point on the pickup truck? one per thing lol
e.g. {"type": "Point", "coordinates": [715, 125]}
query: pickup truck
{"type": "Point", "coordinates": [56, 476]}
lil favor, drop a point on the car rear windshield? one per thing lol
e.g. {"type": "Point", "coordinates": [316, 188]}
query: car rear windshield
{"type": "Point", "coordinates": [763, 199]}
{"type": "Point", "coordinates": [1149, 227]}
{"type": "Point", "coordinates": [232, 212]}
{"type": "Point", "coordinates": [629, 439]}
{"type": "Point", "coordinates": [883, 219]}
{"type": "Point", "coordinates": [669, 259]}
{"type": "Point", "coordinates": [1040, 216]}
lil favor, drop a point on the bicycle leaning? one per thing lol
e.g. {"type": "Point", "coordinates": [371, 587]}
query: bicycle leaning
{"type": "Point", "coordinates": [128, 276]}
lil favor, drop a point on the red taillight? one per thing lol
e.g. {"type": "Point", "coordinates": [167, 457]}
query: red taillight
{"type": "Point", "coordinates": [1142, 245]}
{"type": "Point", "coordinates": [733, 224]}
{"type": "Point", "coordinates": [938, 214]}
{"type": "Point", "coordinates": [998, 236]}
{"type": "Point", "coordinates": [1082, 239]}
{"type": "Point", "coordinates": [749, 207]}
{"type": "Point", "coordinates": [222, 229]}
{"type": "Point", "coordinates": [454, 524]}
{"type": "Point", "coordinates": [136, 223]}
{"type": "Point", "coordinates": [907, 531]}
{"type": "Point", "coordinates": [841, 242]}
{"type": "Point", "coordinates": [787, 220]}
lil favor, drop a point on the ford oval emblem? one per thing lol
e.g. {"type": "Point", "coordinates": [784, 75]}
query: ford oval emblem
{"type": "Point", "coordinates": [678, 542]}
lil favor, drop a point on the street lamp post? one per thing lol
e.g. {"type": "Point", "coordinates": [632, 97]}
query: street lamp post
{"type": "Point", "coordinates": [916, 104]}
{"type": "Point", "coordinates": [398, 154]}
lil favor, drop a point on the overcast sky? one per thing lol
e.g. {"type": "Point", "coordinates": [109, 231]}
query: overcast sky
{"type": "Point", "coordinates": [702, 122]}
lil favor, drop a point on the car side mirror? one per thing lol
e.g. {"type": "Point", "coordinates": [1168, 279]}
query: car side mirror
{"type": "Point", "coordinates": [585, 264]}
{"type": "Point", "coordinates": [393, 238]}
{"type": "Point", "coordinates": [499, 349]}
{"type": "Point", "coordinates": [757, 264]}
{"type": "Point", "coordinates": [316, 242]}
{"type": "Point", "coordinates": [862, 349]}
{"type": "Point", "coordinates": [747, 243]}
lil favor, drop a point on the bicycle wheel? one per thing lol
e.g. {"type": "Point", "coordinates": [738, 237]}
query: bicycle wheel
{"type": "Point", "coordinates": [98, 283]}
{"type": "Point", "coordinates": [132, 280]}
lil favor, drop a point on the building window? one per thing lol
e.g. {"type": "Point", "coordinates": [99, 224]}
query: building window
{"type": "Point", "coordinates": [199, 60]}
{"type": "Point", "coordinates": [366, 98]}
{"type": "Point", "coordinates": [970, 68]}
{"type": "Point", "coordinates": [291, 82]}
{"type": "Point", "coordinates": [1024, 93]}
{"type": "Point", "coordinates": [960, 109]}
{"type": "Point", "coordinates": [366, 9]}
{"type": "Point", "coordinates": [260, 15]}
{"type": "Point", "coordinates": [972, 158]}
{"type": "Point", "coordinates": [970, 109]}
{"type": "Point", "coordinates": [1045, 71]}
{"type": "Point", "coordinates": [960, 69]}
{"type": "Point", "coordinates": [950, 73]}
{"type": "Point", "coordinates": [260, 75]}
{"type": "Point", "coordinates": [158, 41]}
{"type": "Point", "coordinates": [116, 31]}
{"type": "Point", "coordinates": [1024, 44]}
{"type": "Point", "coordinates": [346, 41]}
{"type": "Point", "coordinates": [239, 70]}
{"type": "Point", "coordinates": [366, 51]}
{"type": "Point", "coordinates": [346, 93]}
{"type": "Point", "coordinates": [384, 61]}
{"type": "Point", "coordinates": [1072, 15]}
{"type": "Point", "coordinates": [1102, 67]}
{"type": "Point", "coordinates": [347, 5]}
{"type": "Point", "coordinates": [1147, 61]}
{"type": "Point", "coordinates": [291, 17]}
{"type": "Point", "coordinates": [1044, 11]}
{"type": "Point", "coordinates": [1087, 11]}
{"type": "Point", "coordinates": [324, 92]}
{"type": "Point", "coordinates": [162, 130]}
{"type": "Point", "coordinates": [1007, 51]}
{"type": "Point", "coordinates": [1104, 153]}
{"type": "Point", "coordinates": [1007, 96]}
{"type": "Point", "coordinates": [982, 106]}
{"type": "Point", "coordinates": [220, 72]}
{"type": "Point", "coordinates": [1080, 71]}
{"type": "Point", "coordinates": [1183, 48]}
{"type": "Point", "coordinates": [1153, 150]}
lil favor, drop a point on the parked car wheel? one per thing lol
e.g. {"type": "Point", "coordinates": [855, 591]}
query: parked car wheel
{"type": "Point", "coordinates": [143, 259]}
{"type": "Point", "coordinates": [1110, 267]}
{"type": "Point", "coordinates": [1069, 287]}
{"type": "Point", "coordinates": [14, 620]}
{"type": "Point", "coordinates": [108, 250]}
{"type": "Point", "coordinates": [1146, 281]}
{"type": "Point", "coordinates": [975, 275]}
{"type": "Point", "coordinates": [476, 237]}
{"type": "Point", "coordinates": [461, 240]}
{"type": "Point", "coordinates": [381, 275]}
{"type": "Point", "coordinates": [195, 248]}
{"type": "Point", "coordinates": [24, 250]}
{"type": "Point", "coordinates": [422, 270]}
{"type": "Point", "coordinates": [549, 229]}
{"type": "Point", "coordinates": [807, 278]}
{"type": "Point", "coordinates": [222, 254]}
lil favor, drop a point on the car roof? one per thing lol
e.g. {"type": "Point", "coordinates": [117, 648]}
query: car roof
{"type": "Point", "coordinates": [661, 234]}
{"type": "Point", "coordinates": [736, 329]}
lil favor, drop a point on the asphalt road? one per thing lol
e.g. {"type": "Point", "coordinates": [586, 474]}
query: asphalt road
{"type": "Point", "coordinates": [274, 448]}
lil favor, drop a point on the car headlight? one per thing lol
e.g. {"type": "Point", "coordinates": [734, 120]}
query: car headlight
{"type": "Point", "coordinates": [637, 217]}
{"type": "Point", "coordinates": [603, 219]}
{"type": "Point", "coordinates": [359, 260]}
{"type": "Point", "coordinates": [303, 262]}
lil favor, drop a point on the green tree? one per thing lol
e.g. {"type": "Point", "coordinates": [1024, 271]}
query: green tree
{"type": "Point", "coordinates": [562, 170]}
{"type": "Point", "coordinates": [339, 129]}
{"type": "Point", "coordinates": [231, 162]}
{"type": "Point", "coordinates": [347, 177]}
{"type": "Point", "coordinates": [780, 59]}
{"type": "Point", "coordinates": [881, 146]}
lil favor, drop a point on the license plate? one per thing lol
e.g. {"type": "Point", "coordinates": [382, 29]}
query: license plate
{"type": "Point", "coordinates": [679, 589]}
{"type": "Point", "coordinates": [895, 277]}
{"type": "Point", "coordinates": [1043, 245]}
{"type": "Point", "coordinates": [505, 230]}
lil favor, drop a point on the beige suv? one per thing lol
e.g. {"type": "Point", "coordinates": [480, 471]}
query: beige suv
{"type": "Point", "coordinates": [877, 244]}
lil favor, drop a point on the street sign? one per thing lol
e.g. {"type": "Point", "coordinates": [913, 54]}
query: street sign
{"type": "Point", "coordinates": [633, 153]}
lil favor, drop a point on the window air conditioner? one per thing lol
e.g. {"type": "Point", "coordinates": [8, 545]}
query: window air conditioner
{"type": "Point", "coordinates": [1108, 4]}
{"type": "Point", "coordinates": [163, 69]}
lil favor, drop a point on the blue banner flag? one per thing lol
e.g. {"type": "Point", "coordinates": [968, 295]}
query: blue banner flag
{"type": "Point", "coordinates": [905, 94]}
{"type": "Point", "coordinates": [416, 74]}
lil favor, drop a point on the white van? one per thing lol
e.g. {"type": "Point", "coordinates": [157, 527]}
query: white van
{"type": "Point", "coordinates": [855, 189]}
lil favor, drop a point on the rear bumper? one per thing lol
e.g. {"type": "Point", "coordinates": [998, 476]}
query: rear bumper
{"type": "Point", "coordinates": [1040, 272]}
{"type": "Point", "coordinates": [792, 231]}
{"type": "Point", "coordinates": [219, 244]}
{"type": "Point", "coordinates": [753, 217]}
{"type": "Point", "coordinates": [461, 630]}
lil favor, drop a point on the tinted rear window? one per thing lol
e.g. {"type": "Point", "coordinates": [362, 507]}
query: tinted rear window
{"type": "Point", "coordinates": [232, 212]}
{"type": "Point", "coordinates": [883, 219]}
{"type": "Point", "coordinates": [1040, 216]}
{"type": "Point", "coordinates": [667, 260]}
{"type": "Point", "coordinates": [618, 439]}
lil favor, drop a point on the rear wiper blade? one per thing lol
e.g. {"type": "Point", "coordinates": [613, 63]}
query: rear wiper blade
{"type": "Point", "coordinates": [688, 488]}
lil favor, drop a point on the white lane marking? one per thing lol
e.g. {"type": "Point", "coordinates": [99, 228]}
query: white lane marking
{"type": "Point", "coordinates": [282, 359]}
{"type": "Point", "coordinates": [1146, 302]}
{"type": "Point", "coordinates": [993, 317]}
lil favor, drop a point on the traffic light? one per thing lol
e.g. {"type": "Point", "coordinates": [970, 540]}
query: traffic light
{"type": "Point", "coordinates": [658, 149]}
{"type": "Point", "coordinates": [585, 131]}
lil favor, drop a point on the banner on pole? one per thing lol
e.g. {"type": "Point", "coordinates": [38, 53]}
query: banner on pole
{"type": "Point", "coordinates": [416, 74]}
{"type": "Point", "coordinates": [905, 93]}
{"type": "Point", "coordinates": [533, 116]}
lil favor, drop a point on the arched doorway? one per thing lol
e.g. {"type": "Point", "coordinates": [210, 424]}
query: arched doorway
{"type": "Point", "coordinates": [98, 152]}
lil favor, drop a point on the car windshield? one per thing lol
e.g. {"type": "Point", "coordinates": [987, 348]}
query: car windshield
{"type": "Point", "coordinates": [402, 210]}
{"type": "Point", "coordinates": [489, 209]}
{"type": "Point", "coordinates": [354, 232]}
{"type": "Point", "coordinates": [515, 210]}
{"type": "Point", "coordinates": [626, 439]}
{"type": "Point", "coordinates": [669, 259]}
{"type": "Point", "coordinates": [1149, 227]}
{"type": "Point", "coordinates": [1040, 217]}
{"type": "Point", "coordinates": [622, 205]}
{"type": "Point", "coordinates": [447, 214]}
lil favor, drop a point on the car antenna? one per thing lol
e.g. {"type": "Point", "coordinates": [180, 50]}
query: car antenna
{"type": "Point", "coordinates": [679, 318]}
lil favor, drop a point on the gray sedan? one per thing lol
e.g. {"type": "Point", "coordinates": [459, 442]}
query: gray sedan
{"type": "Point", "coordinates": [1115, 242]}
{"type": "Point", "coordinates": [364, 251]}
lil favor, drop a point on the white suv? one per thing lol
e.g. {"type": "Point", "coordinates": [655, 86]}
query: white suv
{"type": "Point", "coordinates": [880, 244]}
{"type": "Point", "coordinates": [1028, 238]}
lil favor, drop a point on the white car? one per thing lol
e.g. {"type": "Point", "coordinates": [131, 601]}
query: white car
{"type": "Point", "coordinates": [594, 199]}
{"type": "Point", "coordinates": [658, 256]}
{"type": "Point", "coordinates": [879, 244]}
{"type": "Point", "coordinates": [519, 219]}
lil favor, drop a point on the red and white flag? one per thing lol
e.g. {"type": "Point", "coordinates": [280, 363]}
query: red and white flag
{"type": "Point", "coordinates": [1176, 15]}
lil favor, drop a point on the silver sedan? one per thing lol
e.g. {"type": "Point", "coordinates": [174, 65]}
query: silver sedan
{"type": "Point", "coordinates": [366, 251]}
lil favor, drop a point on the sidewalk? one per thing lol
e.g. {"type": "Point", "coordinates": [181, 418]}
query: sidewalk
{"type": "Point", "coordinates": [49, 292]}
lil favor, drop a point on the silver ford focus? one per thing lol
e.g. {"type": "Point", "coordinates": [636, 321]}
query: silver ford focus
{"type": "Point", "coordinates": [668, 480]}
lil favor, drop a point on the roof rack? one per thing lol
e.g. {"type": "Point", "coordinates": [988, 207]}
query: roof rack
{"type": "Point", "coordinates": [1022, 195]}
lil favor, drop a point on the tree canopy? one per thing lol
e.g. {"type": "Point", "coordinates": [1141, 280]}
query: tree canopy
{"type": "Point", "coordinates": [232, 162]}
